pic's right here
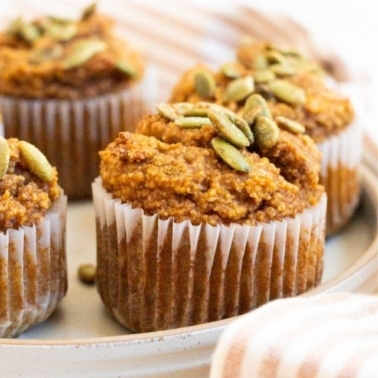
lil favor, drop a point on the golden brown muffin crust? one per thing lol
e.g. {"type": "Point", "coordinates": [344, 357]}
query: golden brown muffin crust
{"type": "Point", "coordinates": [23, 74]}
{"type": "Point", "coordinates": [24, 198]}
{"type": "Point", "coordinates": [190, 182]}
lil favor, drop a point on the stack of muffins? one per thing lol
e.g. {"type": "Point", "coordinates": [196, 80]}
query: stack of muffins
{"type": "Point", "coordinates": [207, 208]}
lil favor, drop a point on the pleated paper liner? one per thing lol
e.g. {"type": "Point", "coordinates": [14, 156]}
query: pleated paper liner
{"type": "Point", "coordinates": [157, 274]}
{"type": "Point", "coordinates": [33, 272]}
{"type": "Point", "coordinates": [72, 132]}
{"type": "Point", "coordinates": [340, 176]}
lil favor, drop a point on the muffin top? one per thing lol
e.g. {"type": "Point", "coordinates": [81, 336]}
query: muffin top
{"type": "Point", "coordinates": [61, 58]}
{"type": "Point", "coordinates": [293, 86]}
{"type": "Point", "coordinates": [28, 184]}
{"type": "Point", "coordinates": [200, 173]}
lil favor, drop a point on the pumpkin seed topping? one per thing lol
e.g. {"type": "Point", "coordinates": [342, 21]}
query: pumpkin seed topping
{"type": "Point", "coordinates": [35, 160]}
{"type": "Point", "coordinates": [29, 32]}
{"type": "Point", "coordinates": [256, 100]}
{"type": "Point", "coordinates": [87, 273]}
{"type": "Point", "coordinates": [61, 32]}
{"type": "Point", "coordinates": [192, 122]}
{"type": "Point", "coordinates": [126, 68]}
{"type": "Point", "coordinates": [239, 89]}
{"type": "Point", "coordinates": [230, 155]}
{"type": "Point", "coordinates": [290, 125]}
{"type": "Point", "coordinates": [167, 111]}
{"type": "Point", "coordinates": [230, 70]}
{"type": "Point", "coordinates": [4, 156]}
{"type": "Point", "coordinates": [266, 132]}
{"type": "Point", "coordinates": [204, 83]}
{"type": "Point", "coordinates": [228, 130]}
{"type": "Point", "coordinates": [251, 115]}
{"type": "Point", "coordinates": [264, 76]}
{"type": "Point", "coordinates": [82, 51]}
{"type": "Point", "coordinates": [288, 92]}
{"type": "Point", "coordinates": [89, 11]}
{"type": "Point", "coordinates": [283, 69]}
{"type": "Point", "coordinates": [49, 53]}
{"type": "Point", "coordinates": [241, 124]}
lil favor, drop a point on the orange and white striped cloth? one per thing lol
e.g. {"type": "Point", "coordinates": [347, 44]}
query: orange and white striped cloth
{"type": "Point", "coordinates": [324, 336]}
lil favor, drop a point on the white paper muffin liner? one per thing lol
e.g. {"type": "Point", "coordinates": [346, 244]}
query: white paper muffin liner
{"type": "Point", "coordinates": [156, 274]}
{"type": "Point", "coordinates": [340, 175]}
{"type": "Point", "coordinates": [33, 273]}
{"type": "Point", "coordinates": [72, 132]}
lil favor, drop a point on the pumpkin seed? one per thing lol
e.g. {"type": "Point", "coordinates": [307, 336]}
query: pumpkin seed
{"type": "Point", "coordinates": [251, 115]}
{"type": "Point", "coordinates": [89, 11]}
{"type": "Point", "coordinates": [126, 68]}
{"type": "Point", "coordinates": [230, 70]}
{"type": "Point", "coordinates": [192, 122]}
{"type": "Point", "coordinates": [87, 273]}
{"type": "Point", "coordinates": [228, 130]}
{"type": "Point", "coordinates": [35, 160]}
{"type": "Point", "coordinates": [288, 92]}
{"type": "Point", "coordinates": [230, 155]}
{"type": "Point", "coordinates": [283, 69]}
{"type": "Point", "coordinates": [273, 56]}
{"type": "Point", "coordinates": [260, 62]}
{"type": "Point", "coordinates": [61, 32]}
{"type": "Point", "coordinates": [46, 54]}
{"type": "Point", "coordinates": [256, 100]}
{"type": "Point", "coordinates": [241, 124]}
{"type": "Point", "coordinates": [29, 32]}
{"type": "Point", "coordinates": [264, 76]}
{"type": "Point", "coordinates": [82, 51]}
{"type": "Point", "coordinates": [290, 125]}
{"type": "Point", "coordinates": [204, 83]}
{"type": "Point", "coordinates": [167, 111]}
{"type": "Point", "coordinates": [239, 89]}
{"type": "Point", "coordinates": [266, 132]}
{"type": "Point", "coordinates": [4, 156]}
{"type": "Point", "coordinates": [58, 20]}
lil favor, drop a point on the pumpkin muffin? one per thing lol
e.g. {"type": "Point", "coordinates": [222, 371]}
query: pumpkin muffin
{"type": "Point", "coordinates": [203, 218]}
{"type": "Point", "coordinates": [69, 86]}
{"type": "Point", "coordinates": [295, 88]}
{"type": "Point", "coordinates": [33, 277]}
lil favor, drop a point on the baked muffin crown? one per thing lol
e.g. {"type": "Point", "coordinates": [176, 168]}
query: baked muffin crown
{"type": "Point", "coordinates": [54, 57]}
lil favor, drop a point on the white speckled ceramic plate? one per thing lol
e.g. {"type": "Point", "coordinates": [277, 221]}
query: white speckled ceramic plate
{"type": "Point", "coordinates": [80, 340]}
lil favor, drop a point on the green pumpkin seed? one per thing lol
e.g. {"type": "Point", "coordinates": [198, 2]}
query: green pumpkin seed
{"type": "Point", "coordinates": [239, 89]}
{"type": "Point", "coordinates": [44, 55]}
{"type": "Point", "coordinates": [256, 100]}
{"type": "Point", "coordinates": [167, 111]}
{"type": "Point", "coordinates": [4, 156]}
{"type": "Point", "coordinates": [288, 92]}
{"type": "Point", "coordinates": [228, 130]}
{"type": "Point", "coordinates": [273, 56]}
{"type": "Point", "coordinates": [260, 62]}
{"type": "Point", "coordinates": [283, 69]}
{"type": "Point", "coordinates": [87, 273]}
{"type": "Point", "coordinates": [241, 124]}
{"type": "Point", "coordinates": [204, 83]}
{"type": "Point", "coordinates": [230, 70]}
{"type": "Point", "coordinates": [230, 155]}
{"type": "Point", "coordinates": [58, 20]}
{"type": "Point", "coordinates": [82, 51]}
{"type": "Point", "coordinates": [192, 122]}
{"type": "Point", "coordinates": [290, 125]}
{"type": "Point", "coordinates": [35, 160]}
{"type": "Point", "coordinates": [61, 32]}
{"type": "Point", "coordinates": [89, 11]}
{"type": "Point", "coordinates": [126, 68]}
{"type": "Point", "coordinates": [251, 115]}
{"type": "Point", "coordinates": [29, 32]}
{"type": "Point", "coordinates": [264, 76]}
{"type": "Point", "coordinates": [266, 132]}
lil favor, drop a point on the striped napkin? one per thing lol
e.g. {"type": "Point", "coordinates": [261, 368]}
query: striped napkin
{"type": "Point", "coordinates": [324, 336]}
